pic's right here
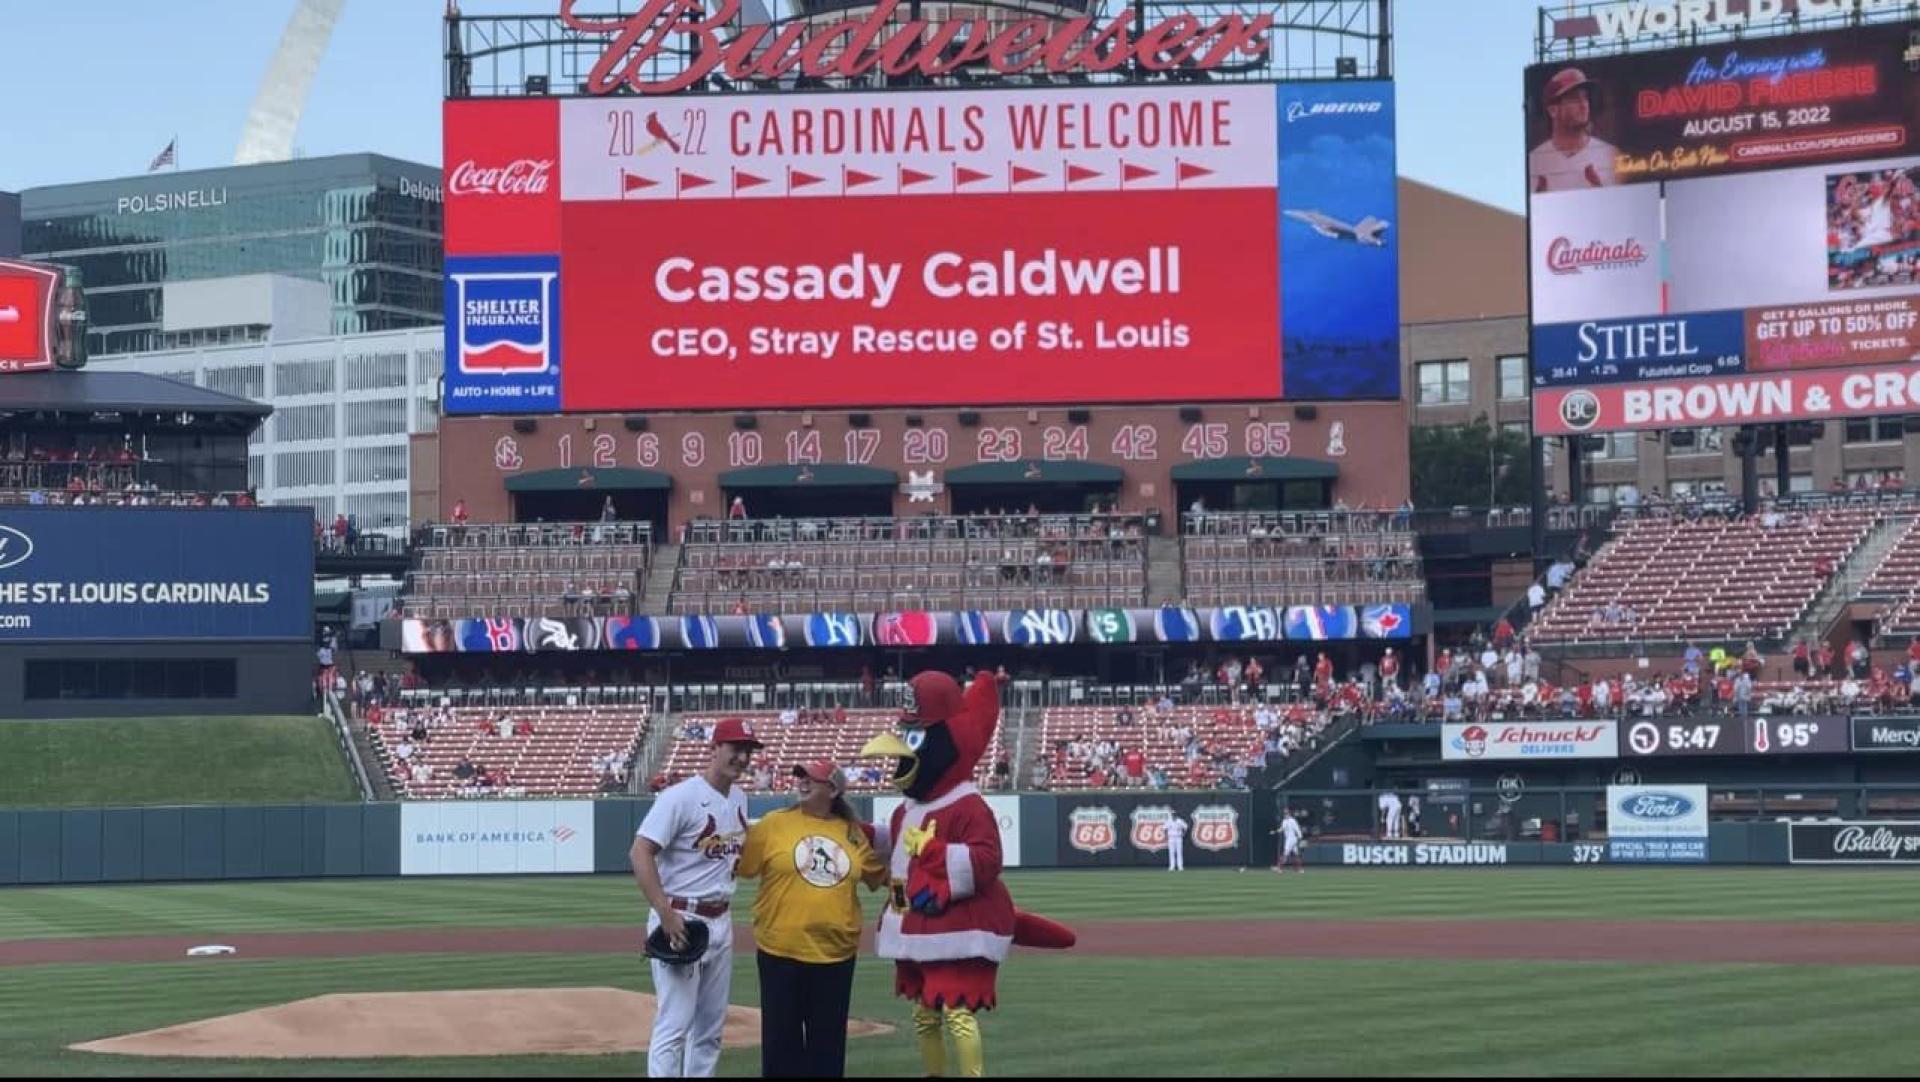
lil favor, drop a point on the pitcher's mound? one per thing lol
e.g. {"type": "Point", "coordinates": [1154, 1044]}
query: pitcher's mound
{"type": "Point", "coordinates": [374, 1025]}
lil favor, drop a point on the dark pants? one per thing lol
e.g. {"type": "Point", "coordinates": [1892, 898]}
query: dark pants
{"type": "Point", "coordinates": [803, 1017]}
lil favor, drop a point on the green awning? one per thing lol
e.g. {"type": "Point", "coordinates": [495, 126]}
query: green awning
{"type": "Point", "coordinates": [1032, 471]}
{"type": "Point", "coordinates": [1242, 468]}
{"type": "Point", "coordinates": [588, 480]}
{"type": "Point", "coordinates": [823, 476]}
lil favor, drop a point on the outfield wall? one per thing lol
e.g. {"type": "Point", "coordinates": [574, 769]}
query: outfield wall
{"type": "Point", "coordinates": [119, 845]}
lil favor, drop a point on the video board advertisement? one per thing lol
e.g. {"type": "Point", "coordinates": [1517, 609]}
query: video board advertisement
{"type": "Point", "coordinates": [1726, 234]}
{"type": "Point", "coordinates": [148, 573]}
{"type": "Point", "coordinates": [28, 292]}
{"type": "Point", "coordinates": [978, 247]}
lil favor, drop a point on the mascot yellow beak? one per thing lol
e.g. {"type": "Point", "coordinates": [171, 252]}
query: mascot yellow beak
{"type": "Point", "coordinates": [889, 745]}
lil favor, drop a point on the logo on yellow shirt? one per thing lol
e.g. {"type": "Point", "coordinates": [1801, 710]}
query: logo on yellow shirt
{"type": "Point", "coordinates": [822, 861]}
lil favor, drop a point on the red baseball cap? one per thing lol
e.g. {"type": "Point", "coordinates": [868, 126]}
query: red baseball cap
{"type": "Point", "coordinates": [823, 770]}
{"type": "Point", "coordinates": [931, 697]}
{"type": "Point", "coordinates": [1564, 83]}
{"type": "Point", "coordinates": [735, 731]}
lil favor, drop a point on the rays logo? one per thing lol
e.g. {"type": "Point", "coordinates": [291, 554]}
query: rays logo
{"type": "Point", "coordinates": [15, 547]}
{"type": "Point", "coordinates": [506, 315]}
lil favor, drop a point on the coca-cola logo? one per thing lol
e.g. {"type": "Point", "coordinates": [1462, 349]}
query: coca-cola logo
{"type": "Point", "coordinates": [1876, 841]}
{"type": "Point", "coordinates": [523, 176]}
{"type": "Point", "coordinates": [1565, 257]}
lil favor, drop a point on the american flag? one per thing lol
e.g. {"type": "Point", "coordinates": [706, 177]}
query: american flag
{"type": "Point", "coordinates": [165, 158]}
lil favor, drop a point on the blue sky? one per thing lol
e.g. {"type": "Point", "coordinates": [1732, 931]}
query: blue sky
{"type": "Point", "coordinates": [96, 90]}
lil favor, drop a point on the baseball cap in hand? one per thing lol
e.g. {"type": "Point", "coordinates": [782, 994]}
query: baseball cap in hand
{"type": "Point", "coordinates": [823, 770]}
{"type": "Point", "coordinates": [735, 731]}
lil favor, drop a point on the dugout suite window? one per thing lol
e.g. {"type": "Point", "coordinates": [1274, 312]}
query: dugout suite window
{"type": "Point", "coordinates": [132, 678]}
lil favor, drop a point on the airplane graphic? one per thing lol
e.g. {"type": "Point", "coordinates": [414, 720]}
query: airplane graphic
{"type": "Point", "coordinates": [1370, 231]}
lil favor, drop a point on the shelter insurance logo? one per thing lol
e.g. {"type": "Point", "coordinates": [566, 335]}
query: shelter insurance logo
{"type": "Point", "coordinates": [506, 318]}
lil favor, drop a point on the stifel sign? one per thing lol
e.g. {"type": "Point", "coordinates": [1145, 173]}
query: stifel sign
{"type": "Point", "coordinates": [848, 49]}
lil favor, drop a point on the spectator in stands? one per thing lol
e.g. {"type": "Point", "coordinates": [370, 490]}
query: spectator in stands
{"type": "Point", "coordinates": [737, 510]}
{"type": "Point", "coordinates": [1302, 677]}
{"type": "Point", "coordinates": [523, 727]}
{"type": "Point", "coordinates": [789, 716]}
{"type": "Point", "coordinates": [403, 751]}
{"type": "Point", "coordinates": [418, 734]}
{"type": "Point", "coordinates": [1751, 662]}
{"type": "Point", "coordinates": [1323, 676]}
{"type": "Point", "coordinates": [1502, 634]}
{"type": "Point", "coordinates": [1389, 670]}
{"type": "Point", "coordinates": [1824, 660]}
{"type": "Point", "coordinates": [1135, 767]}
{"type": "Point", "coordinates": [1858, 659]}
{"type": "Point", "coordinates": [464, 769]}
{"type": "Point", "coordinates": [459, 512]}
{"type": "Point", "coordinates": [1743, 693]}
{"type": "Point", "coordinates": [421, 772]}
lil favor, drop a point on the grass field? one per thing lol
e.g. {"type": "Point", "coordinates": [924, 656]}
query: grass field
{"type": "Point", "coordinates": [127, 762]}
{"type": "Point", "coordinates": [1065, 1013]}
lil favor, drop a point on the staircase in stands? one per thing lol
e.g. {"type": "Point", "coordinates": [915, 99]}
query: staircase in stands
{"type": "Point", "coordinates": [658, 589]}
{"type": "Point", "coordinates": [1163, 570]}
{"type": "Point", "coordinates": [1848, 580]}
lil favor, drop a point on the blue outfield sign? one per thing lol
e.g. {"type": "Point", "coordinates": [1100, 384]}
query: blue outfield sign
{"type": "Point", "coordinates": [1657, 824]}
{"type": "Point", "coordinates": [139, 574]}
{"type": "Point", "coordinates": [503, 335]}
{"type": "Point", "coordinates": [1697, 346]}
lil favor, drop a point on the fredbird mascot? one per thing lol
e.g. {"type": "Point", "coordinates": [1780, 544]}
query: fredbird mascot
{"type": "Point", "coordinates": [949, 921]}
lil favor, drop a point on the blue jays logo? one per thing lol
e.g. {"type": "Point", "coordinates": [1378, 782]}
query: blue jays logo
{"type": "Point", "coordinates": [1386, 622]}
{"type": "Point", "coordinates": [506, 315]}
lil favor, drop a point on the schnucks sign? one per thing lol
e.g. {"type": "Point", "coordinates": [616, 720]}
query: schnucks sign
{"type": "Point", "coordinates": [1530, 740]}
{"type": "Point", "coordinates": [852, 48]}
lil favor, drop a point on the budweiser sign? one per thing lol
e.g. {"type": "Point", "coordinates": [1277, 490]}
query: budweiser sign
{"type": "Point", "coordinates": [1564, 258]}
{"type": "Point", "coordinates": [526, 176]}
{"type": "Point", "coordinates": [690, 42]}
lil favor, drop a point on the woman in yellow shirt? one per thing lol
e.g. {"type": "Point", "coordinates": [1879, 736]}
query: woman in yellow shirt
{"type": "Point", "coordinates": [806, 923]}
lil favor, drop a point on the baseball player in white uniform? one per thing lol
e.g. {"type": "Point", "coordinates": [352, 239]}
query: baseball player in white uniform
{"type": "Point", "coordinates": [1390, 813]}
{"type": "Point", "coordinates": [1176, 844]}
{"type": "Point", "coordinates": [1290, 844]}
{"type": "Point", "coordinates": [683, 858]}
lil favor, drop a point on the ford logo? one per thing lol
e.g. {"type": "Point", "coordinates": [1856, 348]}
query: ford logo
{"type": "Point", "coordinates": [15, 547]}
{"type": "Point", "coordinates": [1656, 805]}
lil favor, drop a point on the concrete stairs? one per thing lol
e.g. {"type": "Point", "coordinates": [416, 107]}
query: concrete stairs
{"type": "Point", "coordinates": [1848, 581]}
{"type": "Point", "coordinates": [1163, 571]}
{"type": "Point", "coordinates": [658, 588]}
{"type": "Point", "coordinates": [661, 733]}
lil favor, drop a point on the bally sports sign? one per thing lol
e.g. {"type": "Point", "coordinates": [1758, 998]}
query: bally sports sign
{"type": "Point", "coordinates": [1496, 741]}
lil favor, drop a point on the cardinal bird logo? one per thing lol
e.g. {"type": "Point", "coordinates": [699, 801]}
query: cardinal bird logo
{"type": "Point", "coordinates": [660, 135]}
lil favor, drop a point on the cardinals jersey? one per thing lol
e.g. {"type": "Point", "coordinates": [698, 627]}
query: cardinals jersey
{"type": "Point", "coordinates": [700, 832]}
{"type": "Point", "coordinates": [1551, 170]}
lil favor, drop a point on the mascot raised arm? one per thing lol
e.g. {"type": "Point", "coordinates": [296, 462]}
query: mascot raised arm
{"type": "Point", "coordinates": [949, 921]}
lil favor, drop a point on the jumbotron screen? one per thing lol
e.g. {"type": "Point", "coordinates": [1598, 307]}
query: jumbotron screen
{"type": "Point", "coordinates": [1726, 234]}
{"type": "Point", "coordinates": [970, 247]}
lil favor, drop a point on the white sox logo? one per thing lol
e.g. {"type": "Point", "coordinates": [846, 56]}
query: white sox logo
{"type": "Point", "coordinates": [1090, 830]}
{"type": "Point", "coordinates": [1216, 827]}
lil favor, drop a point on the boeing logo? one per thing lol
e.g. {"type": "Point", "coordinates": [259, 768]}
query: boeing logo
{"type": "Point", "coordinates": [1300, 110]}
{"type": "Point", "coordinates": [15, 547]}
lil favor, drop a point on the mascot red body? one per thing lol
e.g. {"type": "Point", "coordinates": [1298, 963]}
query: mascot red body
{"type": "Point", "coordinates": [949, 921]}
